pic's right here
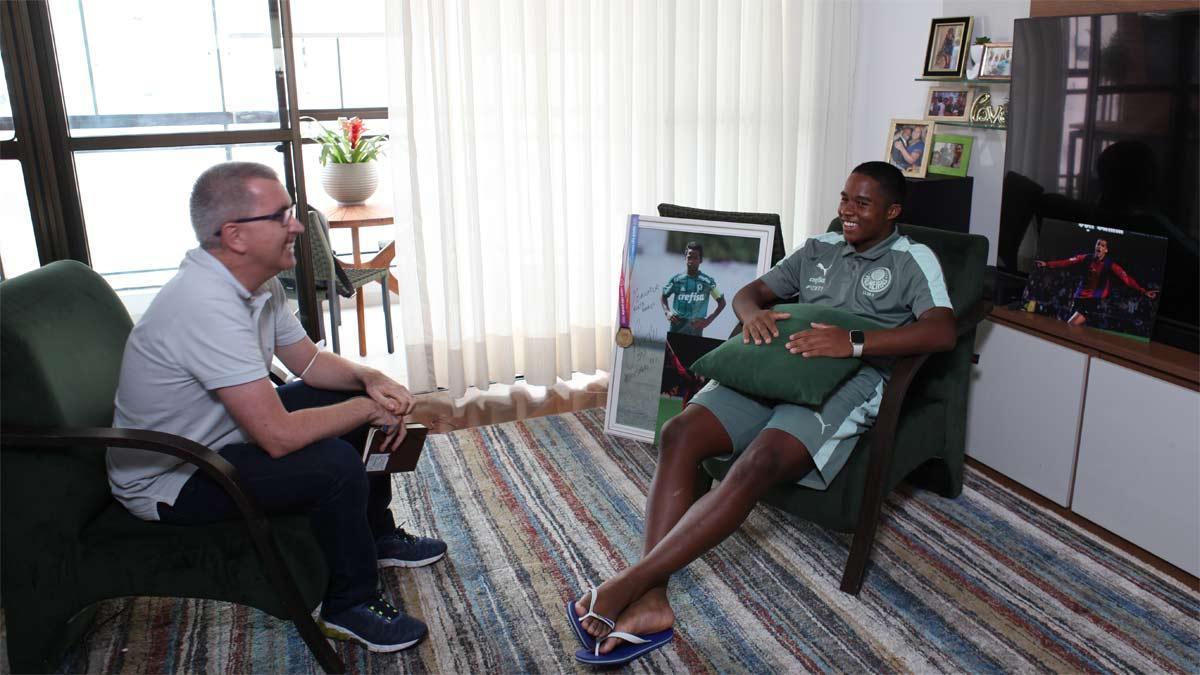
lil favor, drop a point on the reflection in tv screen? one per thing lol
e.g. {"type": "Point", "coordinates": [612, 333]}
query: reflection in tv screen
{"type": "Point", "coordinates": [1103, 129]}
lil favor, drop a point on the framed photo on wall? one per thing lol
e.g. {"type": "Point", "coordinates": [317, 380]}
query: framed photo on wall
{"type": "Point", "coordinates": [679, 276]}
{"type": "Point", "coordinates": [949, 103]}
{"type": "Point", "coordinates": [996, 62]}
{"type": "Point", "coordinates": [907, 146]}
{"type": "Point", "coordinates": [951, 154]}
{"type": "Point", "coordinates": [946, 53]}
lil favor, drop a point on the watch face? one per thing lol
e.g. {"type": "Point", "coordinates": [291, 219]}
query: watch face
{"type": "Point", "coordinates": [857, 337]}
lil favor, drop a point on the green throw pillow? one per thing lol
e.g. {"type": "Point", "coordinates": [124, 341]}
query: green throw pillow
{"type": "Point", "coordinates": [770, 371]}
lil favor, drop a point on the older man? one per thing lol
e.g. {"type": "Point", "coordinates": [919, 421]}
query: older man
{"type": "Point", "coordinates": [197, 365]}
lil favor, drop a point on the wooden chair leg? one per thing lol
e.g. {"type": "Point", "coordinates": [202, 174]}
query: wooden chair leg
{"type": "Point", "coordinates": [318, 645]}
{"type": "Point", "coordinates": [387, 315]}
{"type": "Point", "coordinates": [360, 305]}
{"type": "Point", "coordinates": [860, 552]}
{"type": "Point", "coordinates": [868, 515]}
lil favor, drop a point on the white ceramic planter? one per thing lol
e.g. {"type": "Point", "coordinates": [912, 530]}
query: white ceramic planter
{"type": "Point", "coordinates": [975, 59]}
{"type": "Point", "coordinates": [350, 183]}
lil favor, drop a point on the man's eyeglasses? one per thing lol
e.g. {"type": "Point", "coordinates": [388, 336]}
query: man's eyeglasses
{"type": "Point", "coordinates": [282, 216]}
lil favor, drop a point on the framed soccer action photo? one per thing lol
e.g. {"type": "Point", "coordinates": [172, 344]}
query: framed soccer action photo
{"type": "Point", "coordinates": [678, 276]}
{"type": "Point", "coordinates": [951, 154]}
{"type": "Point", "coordinates": [907, 146]}
{"type": "Point", "coordinates": [946, 53]}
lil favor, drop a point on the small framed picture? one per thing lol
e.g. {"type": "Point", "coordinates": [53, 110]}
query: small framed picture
{"type": "Point", "coordinates": [948, 103]}
{"type": "Point", "coordinates": [907, 146]}
{"type": "Point", "coordinates": [951, 154]}
{"type": "Point", "coordinates": [996, 62]}
{"type": "Point", "coordinates": [946, 54]}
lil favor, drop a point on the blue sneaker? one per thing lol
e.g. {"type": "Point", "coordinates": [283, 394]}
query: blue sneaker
{"type": "Point", "coordinates": [376, 624]}
{"type": "Point", "coordinates": [401, 549]}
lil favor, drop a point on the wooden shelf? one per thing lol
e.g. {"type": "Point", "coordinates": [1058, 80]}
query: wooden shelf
{"type": "Point", "coordinates": [1155, 359]}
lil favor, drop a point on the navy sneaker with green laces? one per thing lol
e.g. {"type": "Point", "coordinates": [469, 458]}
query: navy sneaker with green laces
{"type": "Point", "coordinates": [401, 549]}
{"type": "Point", "coordinates": [376, 624]}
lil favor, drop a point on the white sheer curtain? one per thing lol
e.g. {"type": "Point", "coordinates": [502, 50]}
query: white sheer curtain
{"type": "Point", "coordinates": [525, 131]}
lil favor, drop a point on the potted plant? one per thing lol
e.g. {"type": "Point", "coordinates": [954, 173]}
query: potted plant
{"type": "Point", "coordinates": [348, 160]}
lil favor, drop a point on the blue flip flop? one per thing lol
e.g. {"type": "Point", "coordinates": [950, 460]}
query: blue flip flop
{"type": "Point", "coordinates": [632, 647]}
{"type": "Point", "coordinates": [588, 642]}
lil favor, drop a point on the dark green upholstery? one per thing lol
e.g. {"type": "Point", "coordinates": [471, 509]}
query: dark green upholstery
{"type": "Point", "coordinates": [65, 543]}
{"type": "Point", "coordinates": [930, 440]}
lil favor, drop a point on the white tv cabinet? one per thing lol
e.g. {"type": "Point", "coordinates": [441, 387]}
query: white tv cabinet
{"type": "Point", "coordinates": [1102, 425]}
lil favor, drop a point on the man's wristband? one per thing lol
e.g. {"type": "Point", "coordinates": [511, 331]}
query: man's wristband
{"type": "Point", "coordinates": [857, 341]}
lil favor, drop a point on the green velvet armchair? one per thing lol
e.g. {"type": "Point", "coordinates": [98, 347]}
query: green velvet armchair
{"type": "Point", "coordinates": [65, 543]}
{"type": "Point", "coordinates": [920, 432]}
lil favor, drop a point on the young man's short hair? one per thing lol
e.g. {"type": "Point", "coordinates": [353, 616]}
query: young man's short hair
{"type": "Point", "coordinates": [694, 245]}
{"type": "Point", "coordinates": [890, 180]}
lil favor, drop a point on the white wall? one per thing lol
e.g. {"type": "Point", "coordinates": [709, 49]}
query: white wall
{"type": "Point", "coordinates": [892, 39]}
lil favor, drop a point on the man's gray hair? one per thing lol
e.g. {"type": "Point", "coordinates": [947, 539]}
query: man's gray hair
{"type": "Point", "coordinates": [220, 195]}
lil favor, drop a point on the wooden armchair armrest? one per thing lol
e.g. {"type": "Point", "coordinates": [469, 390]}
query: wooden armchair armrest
{"type": "Point", "coordinates": [213, 465]}
{"type": "Point", "coordinates": [879, 464]}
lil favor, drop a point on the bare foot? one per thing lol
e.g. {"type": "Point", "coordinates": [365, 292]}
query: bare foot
{"type": "Point", "coordinates": [612, 597]}
{"type": "Point", "coordinates": [649, 614]}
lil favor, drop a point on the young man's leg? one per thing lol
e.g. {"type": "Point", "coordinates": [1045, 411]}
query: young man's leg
{"type": "Point", "coordinates": [774, 457]}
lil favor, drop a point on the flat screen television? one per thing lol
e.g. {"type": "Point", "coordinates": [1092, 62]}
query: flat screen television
{"type": "Point", "coordinates": [1104, 129]}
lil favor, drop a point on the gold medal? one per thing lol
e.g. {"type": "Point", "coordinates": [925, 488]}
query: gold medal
{"type": "Point", "coordinates": [624, 337]}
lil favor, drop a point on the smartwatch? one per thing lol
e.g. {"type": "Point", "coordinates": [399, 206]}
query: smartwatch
{"type": "Point", "coordinates": [857, 340]}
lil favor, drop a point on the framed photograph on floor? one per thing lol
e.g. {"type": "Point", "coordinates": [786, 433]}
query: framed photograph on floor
{"type": "Point", "coordinates": [946, 53]}
{"type": "Point", "coordinates": [907, 146]}
{"type": "Point", "coordinates": [996, 62]}
{"type": "Point", "coordinates": [952, 104]}
{"type": "Point", "coordinates": [951, 154]}
{"type": "Point", "coordinates": [679, 275]}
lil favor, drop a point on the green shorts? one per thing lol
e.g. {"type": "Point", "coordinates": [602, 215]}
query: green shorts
{"type": "Point", "coordinates": [829, 433]}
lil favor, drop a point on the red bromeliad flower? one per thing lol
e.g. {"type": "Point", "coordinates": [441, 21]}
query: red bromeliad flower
{"type": "Point", "coordinates": [350, 146]}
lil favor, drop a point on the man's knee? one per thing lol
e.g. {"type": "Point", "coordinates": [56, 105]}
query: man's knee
{"type": "Point", "coordinates": [691, 437]}
{"type": "Point", "coordinates": [339, 461]}
{"type": "Point", "coordinates": [773, 457]}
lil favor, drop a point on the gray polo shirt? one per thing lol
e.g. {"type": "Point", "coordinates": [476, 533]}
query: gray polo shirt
{"type": "Point", "coordinates": [202, 332]}
{"type": "Point", "coordinates": [894, 283]}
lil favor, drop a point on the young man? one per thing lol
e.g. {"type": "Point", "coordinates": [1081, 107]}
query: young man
{"type": "Point", "coordinates": [1096, 284]}
{"type": "Point", "coordinates": [868, 269]}
{"type": "Point", "coordinates": [688, 313]}
{"type": "Point", "coordinates": [197, 364]}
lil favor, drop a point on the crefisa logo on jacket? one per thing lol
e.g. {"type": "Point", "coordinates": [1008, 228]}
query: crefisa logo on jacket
{"type": "Point", "coordinates": [877, 280]}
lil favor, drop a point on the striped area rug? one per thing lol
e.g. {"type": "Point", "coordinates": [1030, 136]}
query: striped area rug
{"type": "Point", "coordinates": [535, 510]}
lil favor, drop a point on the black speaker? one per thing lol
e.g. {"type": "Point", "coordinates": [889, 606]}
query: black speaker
{"type": "Point", "coordinates": [939, 201]}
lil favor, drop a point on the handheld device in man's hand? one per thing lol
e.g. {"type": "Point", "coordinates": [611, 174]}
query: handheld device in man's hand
{"type": "Point", "coordinates": [402, 459]}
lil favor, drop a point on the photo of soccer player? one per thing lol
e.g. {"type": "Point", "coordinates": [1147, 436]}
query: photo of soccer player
{"type": "Point", "coordinates": [678, 278]}
{"type": "Point", "coordinates": [1100, 277]}
{"type": "Point", "coordinates": [685, 297]}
